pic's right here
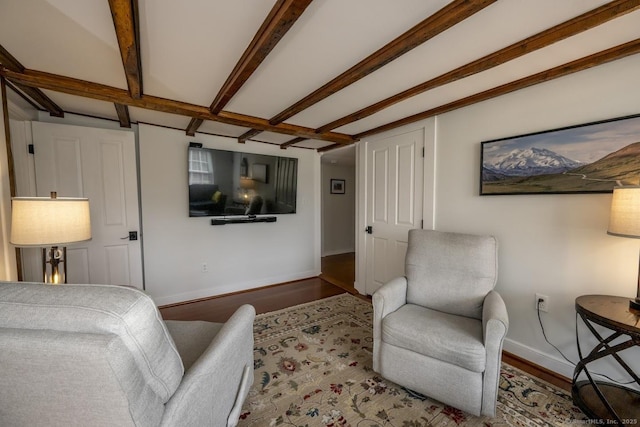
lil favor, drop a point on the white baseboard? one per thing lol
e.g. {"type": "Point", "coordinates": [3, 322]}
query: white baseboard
{"type": "Point", "coordinates": [230, 288]}
{"type": "Point", "coordinates": [547, 361]}
{"type": "Point", "coordinates": [338, 252]}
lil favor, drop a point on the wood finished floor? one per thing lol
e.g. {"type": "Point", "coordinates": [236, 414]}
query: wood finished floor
{"type": "Point", "coordinates": [336, 279]}
{"type": "Point", "coordinates": [340, 270]}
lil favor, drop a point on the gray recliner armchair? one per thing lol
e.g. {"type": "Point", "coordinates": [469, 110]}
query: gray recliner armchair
{"type": "Point", "coordinates": [101, 355]}
{"type": "Point", "coordinates": [439, 330]}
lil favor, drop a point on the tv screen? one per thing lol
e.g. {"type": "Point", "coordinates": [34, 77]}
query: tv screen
{"type": "Point", "coordinates": [229, 183]}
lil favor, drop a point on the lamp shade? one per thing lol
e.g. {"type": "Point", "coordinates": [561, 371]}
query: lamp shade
{"type": "Point", "coordinates": [624, 220]}
{"type": "Point", "coordinates": [43, 221]}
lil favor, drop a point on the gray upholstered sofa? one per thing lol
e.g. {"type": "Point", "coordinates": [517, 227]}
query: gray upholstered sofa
{"type": "Point", "coordinates": [101, 355]}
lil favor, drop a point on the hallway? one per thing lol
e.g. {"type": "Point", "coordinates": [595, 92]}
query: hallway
{"type": "Point", "coordinates": [340, 270]}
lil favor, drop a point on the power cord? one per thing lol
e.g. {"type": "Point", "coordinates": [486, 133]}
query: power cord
{"type": "Point", "coordinates": [544, 334]}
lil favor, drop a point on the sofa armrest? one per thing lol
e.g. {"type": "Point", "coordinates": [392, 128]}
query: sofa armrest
{"type": "Point", "coordinates": [214, 388]}
{"type": "Point", "coordinates": [495, 323]}
{"type": "Point", "coordinates": [387, 299]}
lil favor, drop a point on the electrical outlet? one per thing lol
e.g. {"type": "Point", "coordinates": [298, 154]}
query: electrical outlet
{"type": "Point", "coordinates": [204, 268]}
{"type": "Point", "coordinates": [542, 303]}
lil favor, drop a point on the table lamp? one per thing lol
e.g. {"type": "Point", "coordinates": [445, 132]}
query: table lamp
{"type": "Point", "coordinates": [624, 221]}
{"type": "Point", "coordinates": [43, 221]}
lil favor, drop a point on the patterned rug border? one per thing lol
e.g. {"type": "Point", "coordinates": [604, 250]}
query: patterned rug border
{"type": "Point", "coordinates": [307, 304]}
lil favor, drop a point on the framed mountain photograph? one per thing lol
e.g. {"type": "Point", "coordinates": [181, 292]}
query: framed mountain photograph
{"type": "Point", "coordinates": [589, 158]}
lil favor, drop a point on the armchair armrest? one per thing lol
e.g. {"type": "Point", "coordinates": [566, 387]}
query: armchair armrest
{"type": "Point", "coordinates": [387, 299]}
{"type": "Point", "coordinates": [495, 323]}
{"type": "Point", "coordinates": [495, 319]}
{"type": "Point", "coordinates": [390, 296]}
{"type": "Point", "coordinates": [219, 380]}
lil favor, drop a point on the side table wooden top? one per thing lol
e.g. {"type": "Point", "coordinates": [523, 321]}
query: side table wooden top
{"type": "Point", "coordinates": [609, 311]}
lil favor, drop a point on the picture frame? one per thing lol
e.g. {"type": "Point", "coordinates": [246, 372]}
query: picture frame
{"type": "Point", "coordinates": [337, 186]}
{"type": "Point", "coordinates": [588, 158]}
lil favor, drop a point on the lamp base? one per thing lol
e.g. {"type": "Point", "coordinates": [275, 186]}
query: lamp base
{"type": "Point", "coordinates": [634, 304]}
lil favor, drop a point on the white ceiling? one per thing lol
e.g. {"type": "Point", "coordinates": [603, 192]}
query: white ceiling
{"type": "Point", "coordinates": [188, 48]}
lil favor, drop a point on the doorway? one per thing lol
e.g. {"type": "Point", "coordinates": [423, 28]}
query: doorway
{"type": "Point", "coordinates": [338, 218]}
{"type": "Point", "coordinates": [99, 164]}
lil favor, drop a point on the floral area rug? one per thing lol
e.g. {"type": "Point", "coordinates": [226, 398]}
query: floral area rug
{"type": "Point", "coordinates": [313, 367]}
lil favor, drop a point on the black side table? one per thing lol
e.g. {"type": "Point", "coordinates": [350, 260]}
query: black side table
{"type": "Point", "coordinates": [612, 403]}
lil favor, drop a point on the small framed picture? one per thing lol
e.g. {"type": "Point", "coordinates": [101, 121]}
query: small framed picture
{"type": "Point", "coordinates": [337, 186]}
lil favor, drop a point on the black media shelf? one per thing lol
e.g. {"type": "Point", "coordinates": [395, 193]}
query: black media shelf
{"type": "Point", "coordinates": [243, 220]}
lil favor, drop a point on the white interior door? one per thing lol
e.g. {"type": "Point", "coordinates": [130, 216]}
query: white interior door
{"type": "Point", "coordinates": [98, 164]}
{"type": "Point", "coordinates": [394, 204]}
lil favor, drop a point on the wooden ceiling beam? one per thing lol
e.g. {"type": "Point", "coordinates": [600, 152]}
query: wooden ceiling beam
{"type": "Point", "coordinates": [567, 29]}
{"type": "Point", "coordinates": [280, 19]}
{"type": "Point", "coordinates": [23, 96]}
{"type": "Point", "coordinates": [125, 21]}
{"type": "Point", "coordinates": [123, 115]}
{"type": "Point", "coordinates": [247, 135]}
{"type": "Point", "coordinates": [77, 87]}
{"type": "Point", "coordinates": [40, 98]}
{"type": "Point", "coordinates": [452, 14]}
{"type": "Point", "coordinates": [608, 55]}
{"type": "Point", "coordinates": [289, 143]}
{"type": "Point", "coordinates": [193, 126]}
{"type": "Point", "coordinates": [10, 62]}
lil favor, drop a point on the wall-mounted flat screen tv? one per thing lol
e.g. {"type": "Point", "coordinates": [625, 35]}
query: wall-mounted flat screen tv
{"type": "Point", "coordinates": [228, 183]}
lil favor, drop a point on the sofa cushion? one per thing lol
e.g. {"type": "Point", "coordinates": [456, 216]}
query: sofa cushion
{"type": "Point", "coordinates": [123, 311]}
{"type": "Point", "coordinates": [450, 272]}
{"type": "Point", "coordinates": [450, 338]}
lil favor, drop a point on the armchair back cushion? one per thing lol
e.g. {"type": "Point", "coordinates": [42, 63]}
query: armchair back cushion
{"type": "Point", "coordinates": [450, 272]}
{"type": "Point", "coordinates": [99, 346]}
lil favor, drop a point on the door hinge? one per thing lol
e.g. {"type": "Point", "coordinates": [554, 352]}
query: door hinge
{"type": "Point", "coordinates": [31, 149]}
{"type": "Point", "coordinates": [422, 151]}
{"type": "Point", "coordinates": [422, 224]}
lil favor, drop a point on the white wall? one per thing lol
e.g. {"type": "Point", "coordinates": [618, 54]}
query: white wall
{"type": "Point", "coordinates": [338, 210]}
{"type": "Point", "coordinates": [551, 244]}
{"type": "Point", "coordinates": [555, 245]}
{"type": "Point", "coordinates": [8, 268]}
{"type": "Point", "coordinates": [238, 256]}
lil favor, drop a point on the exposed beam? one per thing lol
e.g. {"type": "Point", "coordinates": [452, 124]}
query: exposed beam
{"type": "Point", "coordinates": [125, 21]}
{"type": "Point", "coordinates": [247, 135]}
{"type": "Point", "coordinates": [11, 63]}
{"type": "Point", "coordinates": [194, 124]}
{"type": "Point", "coordinates": [452, 14]}
{"type": "Point", "coordinates": [284, 145]}
{"type": "Point", "coordinates": [545, 38]}
{"type": "Point", "coordinates": [102, 92]}
{"type": "Point", "coordinates": [608, 55]}
{"type": "Point", "coordinates": [10, 162]}
{"type": "Point", "coordinates": [281, 18]}
{"type": "Point", "coordinates": [39, 97]}
{"type": "Point", "coordinates": [123, 115]}
{"type": "Point", "coordinates": [23, 96]}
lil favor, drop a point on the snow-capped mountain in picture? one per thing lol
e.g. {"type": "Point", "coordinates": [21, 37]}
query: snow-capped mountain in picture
{"type": "Point", "coordinates": [528, 162]}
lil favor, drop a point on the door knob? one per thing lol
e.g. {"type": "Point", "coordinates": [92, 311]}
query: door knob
{"type": "Point", "coordinates": [133, 235]}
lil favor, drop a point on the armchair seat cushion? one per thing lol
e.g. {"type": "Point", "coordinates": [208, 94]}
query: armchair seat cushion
{"type": "Point", "coordinates": [447, 337]}
{"type": "Point", "coordinates": [192, 338]}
